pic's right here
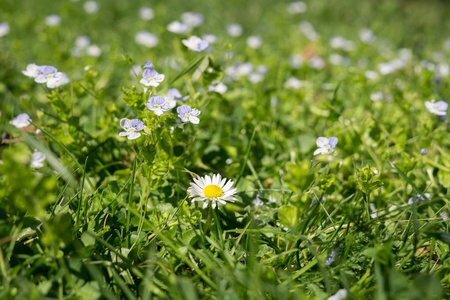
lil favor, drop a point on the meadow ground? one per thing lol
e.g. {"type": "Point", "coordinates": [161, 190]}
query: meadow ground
{"type": "Point", "coordinates": [326, 119]}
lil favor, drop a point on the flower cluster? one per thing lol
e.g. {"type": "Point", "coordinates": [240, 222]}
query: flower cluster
{"type": "Point", "coordinates": [159, 104]}
{"type": "Point", "coordinates": [46, 74]}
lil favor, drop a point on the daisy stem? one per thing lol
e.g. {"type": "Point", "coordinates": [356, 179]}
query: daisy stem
{"type": "Point", "coordinates": [208, 219]}
{"type": "Point", "coordinates": [218, 227]}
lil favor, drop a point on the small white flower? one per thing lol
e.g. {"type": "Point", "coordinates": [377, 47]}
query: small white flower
{"type": "Point", "coordinates": [366, 36]}
{"type": "Point", "coordinates": [94, 51]}
{"type": "Point", "coordinates": [212, 190]}
{"type": "Point", "coordinates": [177, 27]}
{"type": "Point", "coordinates": [53, 20]}
{"type": "Point", "coordinates": [146, 39]}
{"type": "Point", "coordinates": [21, 121]}
{"type": "Point", "coordinates": [91, 7]}
{"type": "Point", "coordinates": [195, 43]}
{"type": "Point", "coordinates": [326, 146]}
{"type": "Point", "coordinates": [4, 29]}
{"type": "Point", "coordinates": [339, 42]}
{"type": "Point", "coordinates": [210, 38]}
{"type": "Point", "coordinates": [297, 7]}
{"type": "Point", "coordinates": [37, 160]}
{"type": "Point", "coordinates": [340, 295]}
{"type": "Point", "coordinates": [218, 88]}
{"type": "Point", "coordinates": [192, 19]}
{"type": "Point", "coordinates": [234, 29]}
{"type": "Point", "coordinates": [254, 41]}
{"type": "Point", "coordinates": [82, 42]}
{"type": "Point", "coordinates": [255, 77]}
{"type": "Point", "coordinates": [316, 63]}
{"type": "Point", "coordinates": [294, 83]}
{"type": "Point", "coordinates": [308, 30]}
{"type": "Point", "coordinates": [146, 13]}
{"type": "Point", "coordinates": [339, 60]}
{"type": "Point", "coordinates": [371, 75]}
{"type": "Point", "coordinates": [295, 61]}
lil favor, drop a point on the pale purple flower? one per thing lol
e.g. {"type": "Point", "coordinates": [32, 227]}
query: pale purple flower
{"type": "Point", "coordinates": [151, 78]}
{"type": "Point", "coordinates": [331, 257]}
{"type": "Point", "coordinates": [257, 201]}
{"type": "Point", "coordinates": [195, 43]}
{"type": "Point", "coordinates": [158, 104]}
{"type": "Point", "coordinates": [148, 64]}
{"type": "Point", "coordinates": [174, 95]}
{"type": "Point", "coordinates": [21, 121]}
{"type": "Point", "coordinates": [438, 108]}
{"type": "Point", "coordinates": [131, 128]}
{"type": "Point", "coordinates": [424, 151]}
{"type": "Point", "coordinates": [326, 145]}
{"type": "Point", "coordinates": [419, 198]}
{"type": "Point", "coordinates": [188, 114]}
{"type": "Point", "coordinates": [37, 160]}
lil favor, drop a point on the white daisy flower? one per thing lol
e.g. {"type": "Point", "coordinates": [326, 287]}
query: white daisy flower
{"type": "Point", "coordinates": [212, 189]}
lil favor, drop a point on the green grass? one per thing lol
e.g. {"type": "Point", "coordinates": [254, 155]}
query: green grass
{"type": "Point", "coordinates": [110, 218]}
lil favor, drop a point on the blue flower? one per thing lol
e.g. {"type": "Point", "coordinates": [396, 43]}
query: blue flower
{"type": "Point", "coordinates": [188, 114]}
{"type": "Point", "coordinates": [131, 128]}
{"type": "Point", "coordinates": [257, 201]}
{"type": "Point", "coordinates": [151, 78]}
{"type": "Point", "coordinates": [438, 108]}
{"type": "Point", "coordinates": [326, 146]}
{"type": "Point", "coordinates": [158, 105]}
{"type": "Point", "coordinates": [424, 151]}
{"type": "Point", "coordinates": [330, 258]}
{"type": "Point", "coordinates": [419, 198]}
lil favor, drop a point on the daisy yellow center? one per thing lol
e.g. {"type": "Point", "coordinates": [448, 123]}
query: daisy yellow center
{"type": "Point", "coordinates": [213, 191]}
{"type": "Point", "coordinates": [188, 114]}
{"type": "Point", "coordinates": [157, 106]}
{"type": "Point", "coordinates": [327, 146]}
